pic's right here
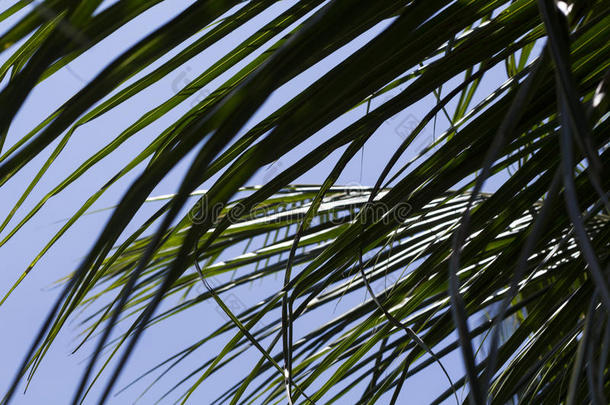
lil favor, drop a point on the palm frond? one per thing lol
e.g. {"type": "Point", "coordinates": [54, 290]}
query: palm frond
{"type": "Point", "coordinates": [533, 252]}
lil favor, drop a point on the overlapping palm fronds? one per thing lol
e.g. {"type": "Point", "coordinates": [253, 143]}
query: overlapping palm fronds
{"type": "Point", "coordinates": [535, 250]}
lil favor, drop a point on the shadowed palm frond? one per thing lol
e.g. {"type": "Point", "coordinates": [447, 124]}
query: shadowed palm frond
{"type": "Point", "coordinates": [437, 253]}
{"type": "Point", "coordinates": [403, 276]}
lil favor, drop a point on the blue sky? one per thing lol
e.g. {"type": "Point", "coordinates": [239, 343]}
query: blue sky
{"type": "Point", "coordinates": [22, 313]}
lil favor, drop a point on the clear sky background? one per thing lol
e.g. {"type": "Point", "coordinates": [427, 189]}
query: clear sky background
{"type": "Point", "coordinates": [23, 312]}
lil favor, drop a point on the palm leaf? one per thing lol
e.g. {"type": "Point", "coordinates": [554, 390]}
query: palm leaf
{"type": "Point", "coordinates": [532, 253]}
